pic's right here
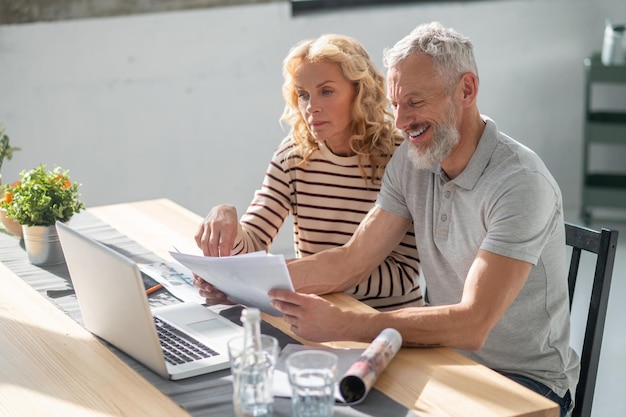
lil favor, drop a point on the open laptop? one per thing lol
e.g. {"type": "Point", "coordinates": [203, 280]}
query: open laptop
{"type": "Point", "coordinates": [114, 305]}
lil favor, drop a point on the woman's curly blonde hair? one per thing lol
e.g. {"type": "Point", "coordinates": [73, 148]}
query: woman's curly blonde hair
{"type": "Point", "coordinates": [373, 133]}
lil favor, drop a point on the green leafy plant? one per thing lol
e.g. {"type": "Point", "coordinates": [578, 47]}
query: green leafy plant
{"type": "Point", "coordinates": [41, 197]}
{"type": "Point", "coordinates": [6, 150]}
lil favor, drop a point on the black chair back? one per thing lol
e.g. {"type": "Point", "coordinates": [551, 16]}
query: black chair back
{"type": "Point", "coordinates": [604, 244]}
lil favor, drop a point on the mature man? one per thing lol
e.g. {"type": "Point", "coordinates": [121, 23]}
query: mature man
{"type": "Point", "coordinates": [489, 228]}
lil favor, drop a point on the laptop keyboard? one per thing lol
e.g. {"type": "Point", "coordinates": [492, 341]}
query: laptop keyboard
{"type": "Point", "coordinates": [178, 347]}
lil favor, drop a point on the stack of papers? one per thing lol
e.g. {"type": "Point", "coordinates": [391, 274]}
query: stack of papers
{"type": "Point", "coordinates": [245, 279]}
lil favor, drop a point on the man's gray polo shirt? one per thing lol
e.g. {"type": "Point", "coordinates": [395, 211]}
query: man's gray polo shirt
{"type": "Point", "coordinates": [506, 202]}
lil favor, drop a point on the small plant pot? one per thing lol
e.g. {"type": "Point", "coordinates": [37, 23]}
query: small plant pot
{"type": "Point", "coordinates": [11, 225]}
{"type": "Point", "coordinates": [43, 246]}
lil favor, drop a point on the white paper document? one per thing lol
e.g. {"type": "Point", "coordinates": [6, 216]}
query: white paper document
{"type": "Point", "coordinates": [245, 279]}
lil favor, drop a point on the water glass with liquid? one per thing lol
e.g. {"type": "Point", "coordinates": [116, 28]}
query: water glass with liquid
{"type": "Point", "coordinates": [312, 376]}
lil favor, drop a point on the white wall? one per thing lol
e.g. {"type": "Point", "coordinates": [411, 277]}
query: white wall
{"type": "Point", "coordinates": [185, 105]}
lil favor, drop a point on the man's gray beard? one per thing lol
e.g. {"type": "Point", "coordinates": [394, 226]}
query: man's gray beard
{"type": "Point", "coordinates": [445, 138]}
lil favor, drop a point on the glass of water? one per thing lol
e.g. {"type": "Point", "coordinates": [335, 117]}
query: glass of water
{"type": "Point", "coordinates": [312, 375]}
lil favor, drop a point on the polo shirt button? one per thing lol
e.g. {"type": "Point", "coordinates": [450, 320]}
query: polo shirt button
{"type": "Point", "coordinates": [444, 217]}
{"type": "Point", "coordinates": [447, 194]}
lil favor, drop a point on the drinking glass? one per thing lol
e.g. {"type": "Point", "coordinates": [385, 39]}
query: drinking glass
{"type": "Point", "coordinates": [312, 376]}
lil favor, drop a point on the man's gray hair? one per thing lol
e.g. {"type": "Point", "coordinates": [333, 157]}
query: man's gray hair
{"type": "Point", "coordinates": [452, 53]}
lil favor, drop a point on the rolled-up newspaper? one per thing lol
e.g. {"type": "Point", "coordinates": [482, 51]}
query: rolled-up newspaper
{"type": "Point", "coordinates": [361, 376]}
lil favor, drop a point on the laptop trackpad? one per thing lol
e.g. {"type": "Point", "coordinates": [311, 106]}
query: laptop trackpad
{"type": "Point", "coordinates": [210, 327]}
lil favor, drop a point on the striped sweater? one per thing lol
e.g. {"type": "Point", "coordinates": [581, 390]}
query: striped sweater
{"type": "Point", "coordinates": [328, 198]}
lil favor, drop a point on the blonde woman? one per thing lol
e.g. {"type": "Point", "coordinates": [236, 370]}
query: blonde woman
{"type": "Point", "coordinates": [326, 173]}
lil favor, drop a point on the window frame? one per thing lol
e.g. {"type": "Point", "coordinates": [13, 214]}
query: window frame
{"type": "Point", "coordinates": [299, 7]}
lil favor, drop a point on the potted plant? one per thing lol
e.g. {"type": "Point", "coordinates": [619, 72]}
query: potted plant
{"type": "Point", "coordinates": [37, 201]}
{"type": "Point", "coordinates": [6, 151]}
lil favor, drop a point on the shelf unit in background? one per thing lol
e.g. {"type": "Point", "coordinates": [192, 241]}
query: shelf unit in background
{"type": "Point", "coordinates": [602, 189]}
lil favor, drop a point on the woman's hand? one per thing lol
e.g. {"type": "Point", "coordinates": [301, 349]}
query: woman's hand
{"type": "Point", "coordinates": [217, 232]}
{"type": "Point", "coordinates": [213, 295]}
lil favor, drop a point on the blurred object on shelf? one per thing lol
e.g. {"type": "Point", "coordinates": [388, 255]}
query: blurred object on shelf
{"type": "Point", "coordinates": [614, 45]}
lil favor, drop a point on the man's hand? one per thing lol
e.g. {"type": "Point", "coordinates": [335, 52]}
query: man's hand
{"type": "Point", "coordinates": [311, 316]}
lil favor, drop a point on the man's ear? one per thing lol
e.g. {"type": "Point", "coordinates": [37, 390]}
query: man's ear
{"type": "Point", "coordinates": [469, 88]}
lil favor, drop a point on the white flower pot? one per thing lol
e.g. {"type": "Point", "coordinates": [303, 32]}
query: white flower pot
{"type": "Point", "coordinates": [43, 246]}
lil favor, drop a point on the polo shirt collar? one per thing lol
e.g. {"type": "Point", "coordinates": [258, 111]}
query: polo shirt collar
{"type": "Point", "coordinates": [479, 160]}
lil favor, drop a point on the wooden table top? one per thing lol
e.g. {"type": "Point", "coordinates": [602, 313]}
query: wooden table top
{"type": "Point", "coordinates": [38, 340]}
{"type": "Point", "coordinates": [52, 366]}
